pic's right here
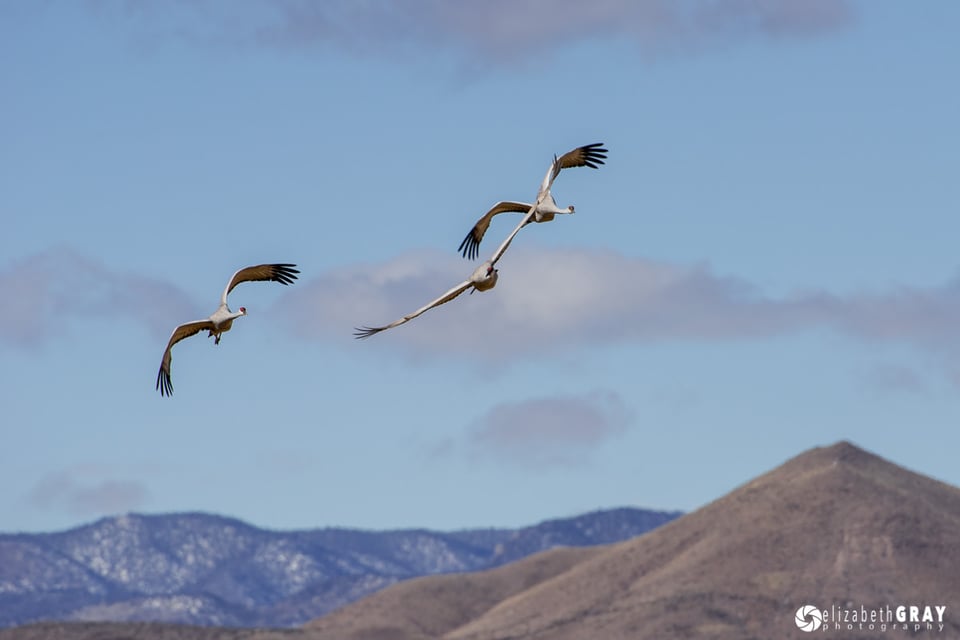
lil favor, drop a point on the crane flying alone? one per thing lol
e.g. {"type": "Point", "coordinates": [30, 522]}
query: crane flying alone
{"type": "Point", "coordinates": [546, 208]}
{"type": "Point", "coordinates": [485, 276]}
{"type": "Point", "coordinates": [222, 319]}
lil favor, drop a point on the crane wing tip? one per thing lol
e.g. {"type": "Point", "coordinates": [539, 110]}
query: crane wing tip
{"type": "Point", "coordinates": [470, 246]}
{"type": "Point", "coordinates": [285, 273]}
{"type": "Point", "coordinates": [164, 384]}
{"type": "Point", "coordinates": [362, 333]}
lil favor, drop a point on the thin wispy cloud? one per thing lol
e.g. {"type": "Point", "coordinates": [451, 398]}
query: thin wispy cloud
{"type": "Point", "coordinates": [546, 301]}
{"type": "Point", "coordinates": [87, 491]}
{"type": "Point", "coordinates": [43, 293]}
{"type": "Point", "coordinates": [557, 430]}
{"type": "Point", "coordinates": [886, 378]}
{"type": "Point", "coordinates": [493, 32]}
{"type": "Point", "coordinates": [551, 300]}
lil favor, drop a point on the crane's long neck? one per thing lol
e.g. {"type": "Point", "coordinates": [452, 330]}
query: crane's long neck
{"type": "Point", "coordinates": [224, 316]}
{"type": "Point", "coordinates": [548, 205]}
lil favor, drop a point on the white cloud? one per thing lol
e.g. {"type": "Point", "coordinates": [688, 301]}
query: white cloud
{"type": "Point", "coordinates": [545, 301]}
{"type": "Point", "coordinates": [85, 491]}
{"type": "Point", "coordinates": [886, 378]}
{"type": "Point", "coordinates": [495, 31]}
{"type": "Point", "coordinates": [43, 292]}
{"type": "Point", "coordinates": [551, 430]}
{"type": "Point", "coordinates": [550, 300]}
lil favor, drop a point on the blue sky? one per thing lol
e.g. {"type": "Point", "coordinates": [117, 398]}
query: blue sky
{"type": "Point", "coordinates": [766, 263]}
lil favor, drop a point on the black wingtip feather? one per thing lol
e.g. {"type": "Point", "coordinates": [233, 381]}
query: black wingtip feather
{"type": "Point", "coordinates": [592, 155]}
{"type": "Point", "coordinates": [469, 247]}
{"type": "Point", "coordinates": [164, 384]}
{"type": "Point", "coordinates": [285, 273]}
{"type": "Point", "coordinates": [362, 333]}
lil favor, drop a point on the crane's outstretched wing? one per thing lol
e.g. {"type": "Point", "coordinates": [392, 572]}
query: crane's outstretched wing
{"type": "Point", "coordinates": [164, 383]}
{"type": "Point", "coordinates": [471, 243]}
{"type": "Point", "coordinates": [283, 273]}
{"type": "Point", "coordinates": [506, 243]}
{"type": "Point", "coordinates": [366, 332]}
{"type": "Point", "coordinates": [590, 155]}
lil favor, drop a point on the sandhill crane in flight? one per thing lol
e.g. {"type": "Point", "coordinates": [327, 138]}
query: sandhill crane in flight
{"type": "Point", "coordinates": [222, 319]}
{"type": "Point", "coordinates": [546, 208]}
{"type": "Point", "coordinates": [483, 278]}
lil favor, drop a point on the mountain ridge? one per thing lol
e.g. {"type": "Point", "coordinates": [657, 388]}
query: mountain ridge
{"type": "Point", "coordinates": [832, 525]}
{"type": "Point", "coordinates": [834, 528]}
{"type": "Point", "coordinates": [201, 568]}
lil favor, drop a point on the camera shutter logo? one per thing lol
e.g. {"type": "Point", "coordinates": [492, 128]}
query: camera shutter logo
{"type": "Point", "coordinates": [808, 618]}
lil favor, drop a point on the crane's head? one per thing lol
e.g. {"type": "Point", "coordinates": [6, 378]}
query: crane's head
{"type": "Point", "coordinates": [243, 311]}
{"type": "Point", "coordinates": [570, 209]}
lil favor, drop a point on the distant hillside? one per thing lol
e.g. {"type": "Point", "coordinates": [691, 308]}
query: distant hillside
{"type": "Point", "coordinates": [836, 528]}
{"type": "Point", "coordinates": [203, 569]}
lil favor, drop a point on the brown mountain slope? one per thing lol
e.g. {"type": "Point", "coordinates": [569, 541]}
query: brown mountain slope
{"type": "Point", "coordinates": [833, 527]}
{"type": "Point", "coordinates": [440, 604]}
{"type": "Point", "coordinates": [141, 631]}
{"type": "Point", "coordinates": [427, 608]}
